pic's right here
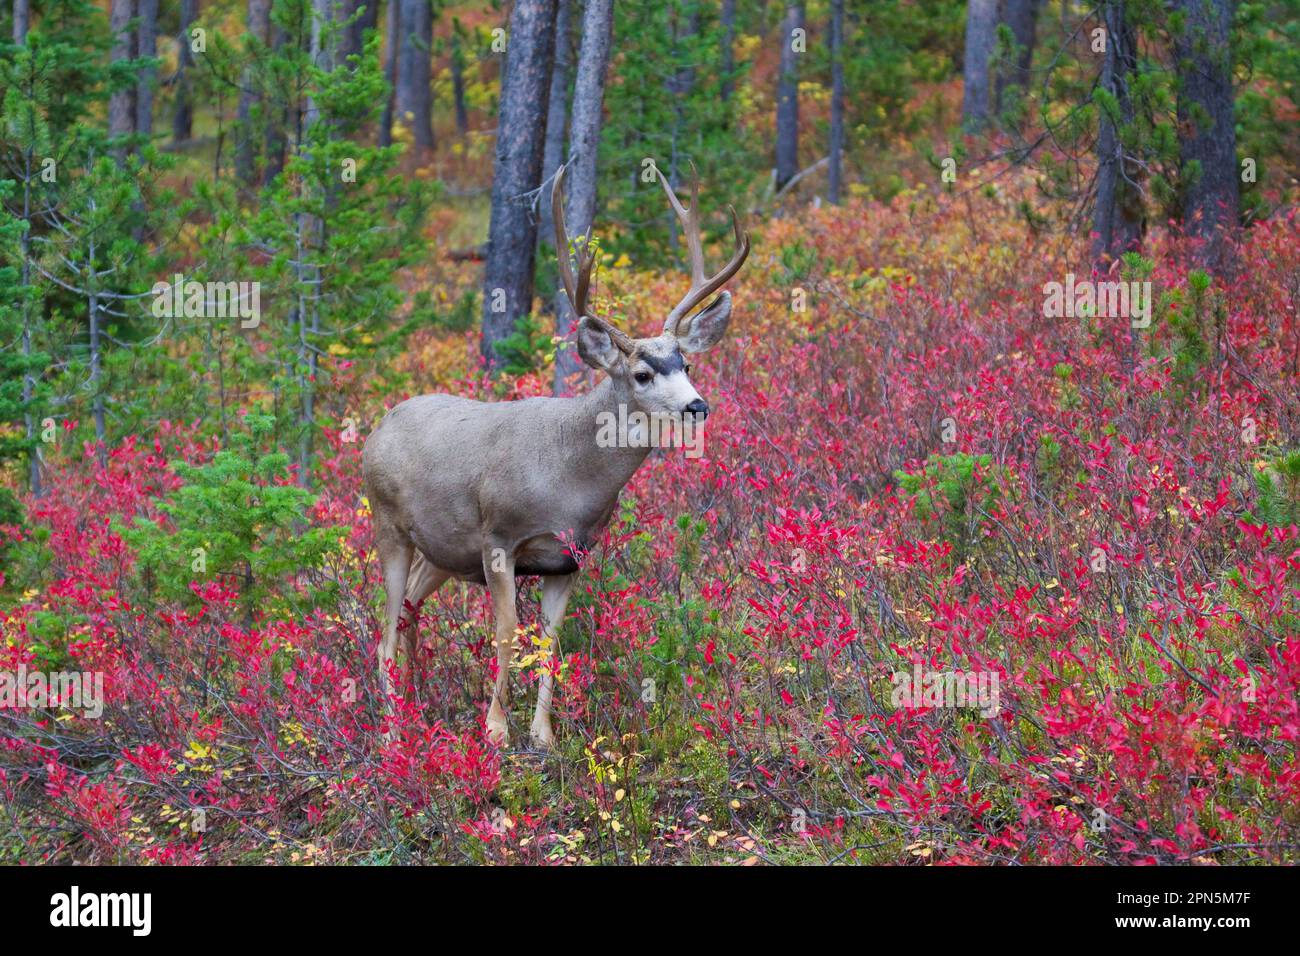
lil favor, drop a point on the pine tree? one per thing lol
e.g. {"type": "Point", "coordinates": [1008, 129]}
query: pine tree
{"type": "Point", "coordinates": [653, 116]}
{"type": "Point", "coordinates": [73, 267]}
{"type": "Point", "coordinates": [326, 276]}
{"type": "Point", "coordinates": [19, 363]}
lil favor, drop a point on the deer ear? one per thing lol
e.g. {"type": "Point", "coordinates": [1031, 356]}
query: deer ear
{"type": "Point", "coordinates": [595, 345]}
{"type": "Point", "coordinates": [708, 326]}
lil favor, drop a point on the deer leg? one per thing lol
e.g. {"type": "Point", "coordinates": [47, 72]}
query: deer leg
{"type": "Point", "coordinates": [555, 599]}
{"type": "Point", "coordinates": [422, 581]}
{"type": "Point", "coordinates": [499, 570]}
{"type": "Point", "coordinates": [395, 559]}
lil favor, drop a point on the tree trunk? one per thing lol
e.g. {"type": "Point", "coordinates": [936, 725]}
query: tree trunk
{"type": "Point", "coordinates": [96, 360]}
{"type": "Point", "coordinates": [679, 86]}
{"type": "Point", "coordinates": [308, 237]}
{"type": "Point", "coordinates": [981, 35]}
{"type": "Point", "coordinates": [458, 77]}
{"type": "Point", "coordinates": [521, 136]}
{"type": "Point", "coordinates": [25, 254]}
{"type": "Point", "coordinates": [121, 103]}
{"type": "Point", "coordinates": [22, 20]}
{"type": "Point", "coordinates": [97, 382]}
{"type": "Point", "coordinates": [1118, 216]}
{"type": "Point", "coordinates": [1206, 126]}
{"type": "Point", "coordinates": [414, 95]}
{"type": "Point", "coordinates": [584, 138]}
{"type": "Point", "coordinates": [392, 41]}
{"type": "Point", "coordinates": [353, 40]}
{"type": "Point", "coordinates": [148, 47]}
{"type": "Point", "coordinates": [837, 101]}
{"type": "Point", "coordinates": [183, 117]}
{"type": "Point", "coordinates": [259, 28]}
{"type": "Point", "coordinates": [787, 99]}
{"type": "Point", "coordinates": [683, 83]}
{"type": "Point", "coordinates": [557, 115]}
{"type": "Point", "coordinates": [407, 26]}
{"type": "Point", "coordinates": [277, 121]}
{"type": "Point", "coordinates": [1021, 18]}
{"type": "Point", "coordinates": [323, 48]}
{"type": "Point", "coordinates": [728, 20]}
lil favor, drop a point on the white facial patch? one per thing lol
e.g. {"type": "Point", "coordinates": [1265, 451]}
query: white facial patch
{"type": "Point", "coordinates": [667, 393]}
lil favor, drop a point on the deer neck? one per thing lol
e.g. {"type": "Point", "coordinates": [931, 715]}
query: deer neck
{"type": "Point", "coordinates": [595, 417]}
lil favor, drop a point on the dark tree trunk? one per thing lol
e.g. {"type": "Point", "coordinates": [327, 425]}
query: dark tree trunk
{"type": "Point", "coordinates": [683, 82]}
{"type": "Point", "coordinates": [353, 40]}
{"type": "Point", "coordinates": [392, 42]}
{"type": "Point", "coordinates": [728, 20]}
{"type": "Point", "coordinates": [121, 104]}
{"type": "Point", "coordinates": [837, 101]}
{"type": "Point", "coordinates": [1206, 126]}
{"type": "Point", "coordinates": [787, 99]}
{"type": "Point", "coordinates": [521, 138]}
{"type": "Point", "coordinates": [1021, 17]}
{"type": "Point", "coordinates": [349, 40]}
{"type": "Point", "coordinates": [557, 114]}
{"type": "Point", "coordinates": [183, 117]}
{"type": "Point", "coordinates": [1118, 216]}
{"type": "Point", "coordinates": [22, 20]}
{"type": "Point", "coordinates": [580, 181]}
{"type": "Point", "coordinates": [458, 78]}
{"type": "Point", "coordinates": [679, 87]}
{"type": "Point", "coordinates": [414, 95]}
{"type": "Point", "coordinates": [259, 28]}
{"type": "Point", "coordinates": [981, 35]}
{"type": "Point", "coordinates": [277, 122]}
{"type": "Point", "coordinates": [148, 47]}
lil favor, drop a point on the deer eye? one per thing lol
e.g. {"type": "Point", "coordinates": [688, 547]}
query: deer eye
{"type": "Point", "coordinates": [643, 378]}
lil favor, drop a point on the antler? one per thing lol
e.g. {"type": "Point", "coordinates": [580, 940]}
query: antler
{"type": "Point", "coordinates": [701, 287]}
{"type": "Point", "coordinates": [577, 291]}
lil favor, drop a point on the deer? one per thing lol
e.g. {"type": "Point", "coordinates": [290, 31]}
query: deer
{"type": "Point", "coordinates": [490, 492]}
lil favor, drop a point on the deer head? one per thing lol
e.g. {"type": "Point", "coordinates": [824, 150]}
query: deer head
{"type": "Point", "coordinates": [653, 372]}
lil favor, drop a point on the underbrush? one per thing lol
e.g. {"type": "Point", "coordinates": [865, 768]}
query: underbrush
{"type": "Point", "coordinates": [916, 471]}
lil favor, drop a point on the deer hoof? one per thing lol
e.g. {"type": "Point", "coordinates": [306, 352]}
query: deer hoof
{"type": "Point", "coordinates": [541, 736]}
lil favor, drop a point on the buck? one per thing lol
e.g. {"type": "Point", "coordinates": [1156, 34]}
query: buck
{"type": "Point", "coordinates": [488, 492]}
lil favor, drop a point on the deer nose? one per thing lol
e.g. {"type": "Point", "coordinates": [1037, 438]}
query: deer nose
{"type": "Point", "coordinates": [698, 408]}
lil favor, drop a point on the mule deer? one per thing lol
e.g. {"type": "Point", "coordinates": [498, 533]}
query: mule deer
{"type": "Point", "coordinates": [486, 491]}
